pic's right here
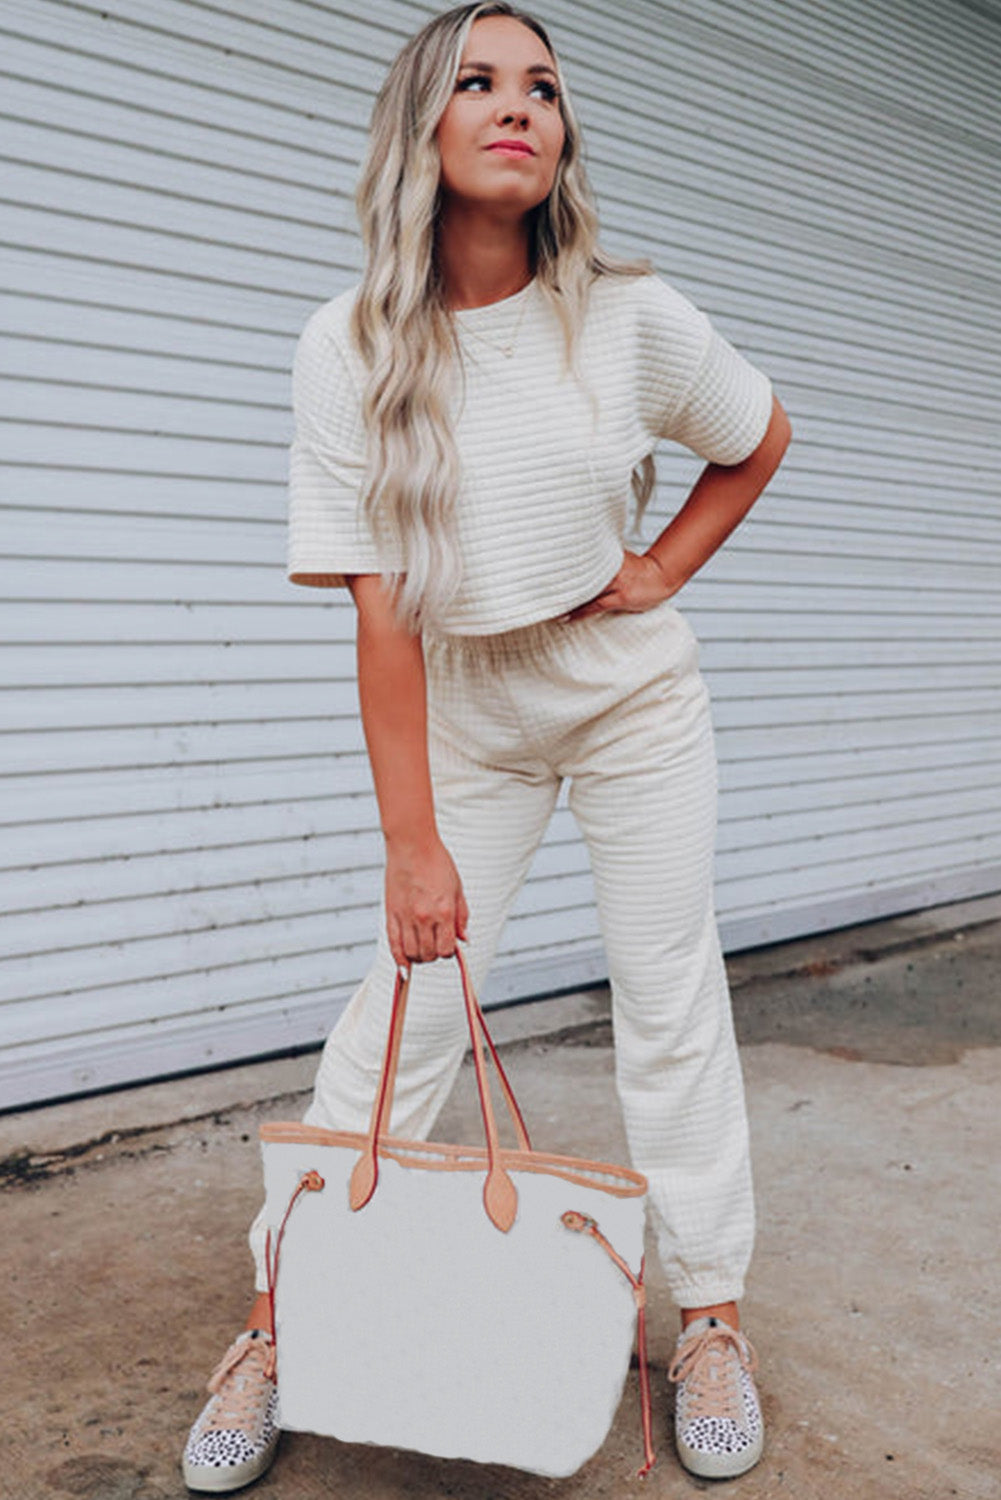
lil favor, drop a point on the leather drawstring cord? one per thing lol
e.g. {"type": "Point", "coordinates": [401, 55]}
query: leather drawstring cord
{"type": "Point", "coordinates": [309, 1182]}
{"type": "Point", "coordinates": [584, 1224]}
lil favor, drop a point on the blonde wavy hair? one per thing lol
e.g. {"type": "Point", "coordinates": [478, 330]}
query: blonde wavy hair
{"type": "Point", "coordinates": [405, 332]}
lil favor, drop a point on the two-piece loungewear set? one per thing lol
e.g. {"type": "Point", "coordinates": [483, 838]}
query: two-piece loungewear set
{"type": "Point", "coordinates": [520, 698]}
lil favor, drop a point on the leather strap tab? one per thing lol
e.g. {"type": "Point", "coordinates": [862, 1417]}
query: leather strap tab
{"type": "Point", "coordinates": [500, 1198]}
{"type": "Point", "coordinates": [366, 1169]}
{"type": "Point", "coordinates": [364, 1177]}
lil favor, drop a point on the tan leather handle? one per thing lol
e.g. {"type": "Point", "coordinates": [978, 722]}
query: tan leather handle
{"type": "Point", "coordinates": [469, 995]}
{"type": "Point", "coordinates": [499, 1193]}
{"type": "Point", "coordinates": [500, 1196]}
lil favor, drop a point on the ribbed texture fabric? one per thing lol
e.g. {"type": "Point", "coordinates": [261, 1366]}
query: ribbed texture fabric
{"type": "Point", "coordinates": [615, 703]}
{"type": "Point", "coordinates": [546, 457]}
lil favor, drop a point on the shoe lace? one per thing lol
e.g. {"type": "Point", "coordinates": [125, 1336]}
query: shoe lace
{"type": "Point", "coordinates": [705, 1364]}
{"type": "Point", "coordinates": [239, 1390]}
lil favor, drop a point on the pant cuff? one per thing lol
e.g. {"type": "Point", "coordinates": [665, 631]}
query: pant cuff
{"type": "Point", "coordinates": [707, 1293]}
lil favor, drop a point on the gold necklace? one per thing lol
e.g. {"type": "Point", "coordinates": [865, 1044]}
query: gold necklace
{"type": "Point", "coordinates": [506, 348]}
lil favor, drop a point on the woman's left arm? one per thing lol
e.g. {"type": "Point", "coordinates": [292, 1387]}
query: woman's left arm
{"type": "Point", "coordinates": [719, 501]}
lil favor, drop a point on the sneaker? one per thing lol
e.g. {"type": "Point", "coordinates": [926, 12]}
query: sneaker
{"type": "Point", "coordinates": [717, 1416]}
{"type": "Point", "coordinates": [235, 1437]}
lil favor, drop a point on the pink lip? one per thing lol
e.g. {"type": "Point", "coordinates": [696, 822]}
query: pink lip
{"type": "Point", "coordinates": [512, 148]}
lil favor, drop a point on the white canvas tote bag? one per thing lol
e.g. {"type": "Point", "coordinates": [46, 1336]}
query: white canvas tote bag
{"type": "Point", "coordinates": [465, 1301]}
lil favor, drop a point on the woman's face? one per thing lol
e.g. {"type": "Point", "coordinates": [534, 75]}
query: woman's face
{"type": "Point", "coordinates": [501, 135]}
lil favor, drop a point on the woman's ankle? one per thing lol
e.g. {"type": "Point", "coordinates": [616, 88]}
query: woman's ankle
{"type": "Point", "coordinates": [260, 1314]}
{"type": "Point", "coordinates": [727, 1312]}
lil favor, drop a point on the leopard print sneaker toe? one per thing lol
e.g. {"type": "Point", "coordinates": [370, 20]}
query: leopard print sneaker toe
{"type": "Point", "coordinates": [235, 1437]}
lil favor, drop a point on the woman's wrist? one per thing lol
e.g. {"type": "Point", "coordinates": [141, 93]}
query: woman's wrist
{"type": "Point", "coordinates": [411, 838]}
{"type": "Point", "coordinates": [671, 584]}
{"type": "Point", "coordinates": [719, 500]}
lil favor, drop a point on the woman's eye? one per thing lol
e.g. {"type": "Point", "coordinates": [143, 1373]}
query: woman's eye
{"type": "Point", "coordinates": [476, 83]}
{"type": "Point", "coordinates": [548, 91]}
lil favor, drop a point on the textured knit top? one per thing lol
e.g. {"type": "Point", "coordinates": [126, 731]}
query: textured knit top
{"type": "Point", "coordinates": [545, 490]}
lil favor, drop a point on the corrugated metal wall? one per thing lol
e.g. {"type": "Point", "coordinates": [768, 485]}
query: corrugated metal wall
{"type": "Point", "coordinates": [835, 195]}
{"type": "Point", "coordinates": [191, 856]}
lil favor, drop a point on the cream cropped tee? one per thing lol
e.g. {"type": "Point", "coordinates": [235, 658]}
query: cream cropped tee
{"type": "Point", "coordinates": [545, 496]}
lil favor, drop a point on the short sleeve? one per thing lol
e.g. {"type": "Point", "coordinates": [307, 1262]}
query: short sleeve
{"type": "Point", "coordinates": [328, 535]}
{"type": "Point", "coordinates": [711, 398]}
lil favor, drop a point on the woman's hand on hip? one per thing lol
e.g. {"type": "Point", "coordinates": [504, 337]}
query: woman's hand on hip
{"type": "Point", "coordinates": [638, 585]}
{"type": "Point", "coordinates": [425, 907]}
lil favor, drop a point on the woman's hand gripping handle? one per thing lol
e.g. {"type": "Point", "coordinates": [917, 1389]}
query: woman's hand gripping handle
{"type": "Point", "coordinates": [426, 909]}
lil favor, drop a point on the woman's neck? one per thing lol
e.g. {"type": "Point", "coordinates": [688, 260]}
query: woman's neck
{"type": "Point", "coordinates": [482, 258]}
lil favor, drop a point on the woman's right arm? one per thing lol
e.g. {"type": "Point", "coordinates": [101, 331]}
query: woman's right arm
{"type": "Point", "coordinates": [425, 907]}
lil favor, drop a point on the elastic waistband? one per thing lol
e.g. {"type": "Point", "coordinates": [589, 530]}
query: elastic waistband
{"type": "Point", "coordinates": [554, 636]}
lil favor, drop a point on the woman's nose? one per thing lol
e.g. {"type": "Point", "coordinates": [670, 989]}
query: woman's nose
{"type": "Point", "coordinates": [512, 114]}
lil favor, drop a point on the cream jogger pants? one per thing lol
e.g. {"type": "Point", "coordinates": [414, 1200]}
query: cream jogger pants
{"type": "Point", "coordinates": [616, 704]}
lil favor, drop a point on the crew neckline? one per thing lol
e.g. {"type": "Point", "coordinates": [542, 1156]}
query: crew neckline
{"type": "Point", "coordinates": [487, 310]}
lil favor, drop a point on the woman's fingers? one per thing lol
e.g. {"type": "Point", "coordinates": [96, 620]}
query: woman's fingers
{"type": "Point", "coordinates": [425, 907]}
{"type": "Point", "coordinates": [639, 585]}
{"type": "Point", "coordinates": [423, 942]}
{"type": "Point", "coordinates": [444, 939]}
{"type": "Point", "coordinates": [394, 933]}
{"type": "Point", "coordinates": [420, 943]}
{"type": "Point", "coordinates": [591, 607]}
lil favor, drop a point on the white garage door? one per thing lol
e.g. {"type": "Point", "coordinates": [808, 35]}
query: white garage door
{"type": "Point", "coordinates": [191, 857]}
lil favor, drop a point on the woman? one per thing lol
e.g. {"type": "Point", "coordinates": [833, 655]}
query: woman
{"type": "Point", "coordinates": [467, 424]}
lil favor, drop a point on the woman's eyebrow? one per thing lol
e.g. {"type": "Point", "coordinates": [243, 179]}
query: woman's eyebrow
{"type": "Point", "coordinates": [485, 67]}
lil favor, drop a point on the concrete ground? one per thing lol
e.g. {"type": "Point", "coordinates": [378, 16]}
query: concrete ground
{"type": "Point", "coordinates": [873, 1064]}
